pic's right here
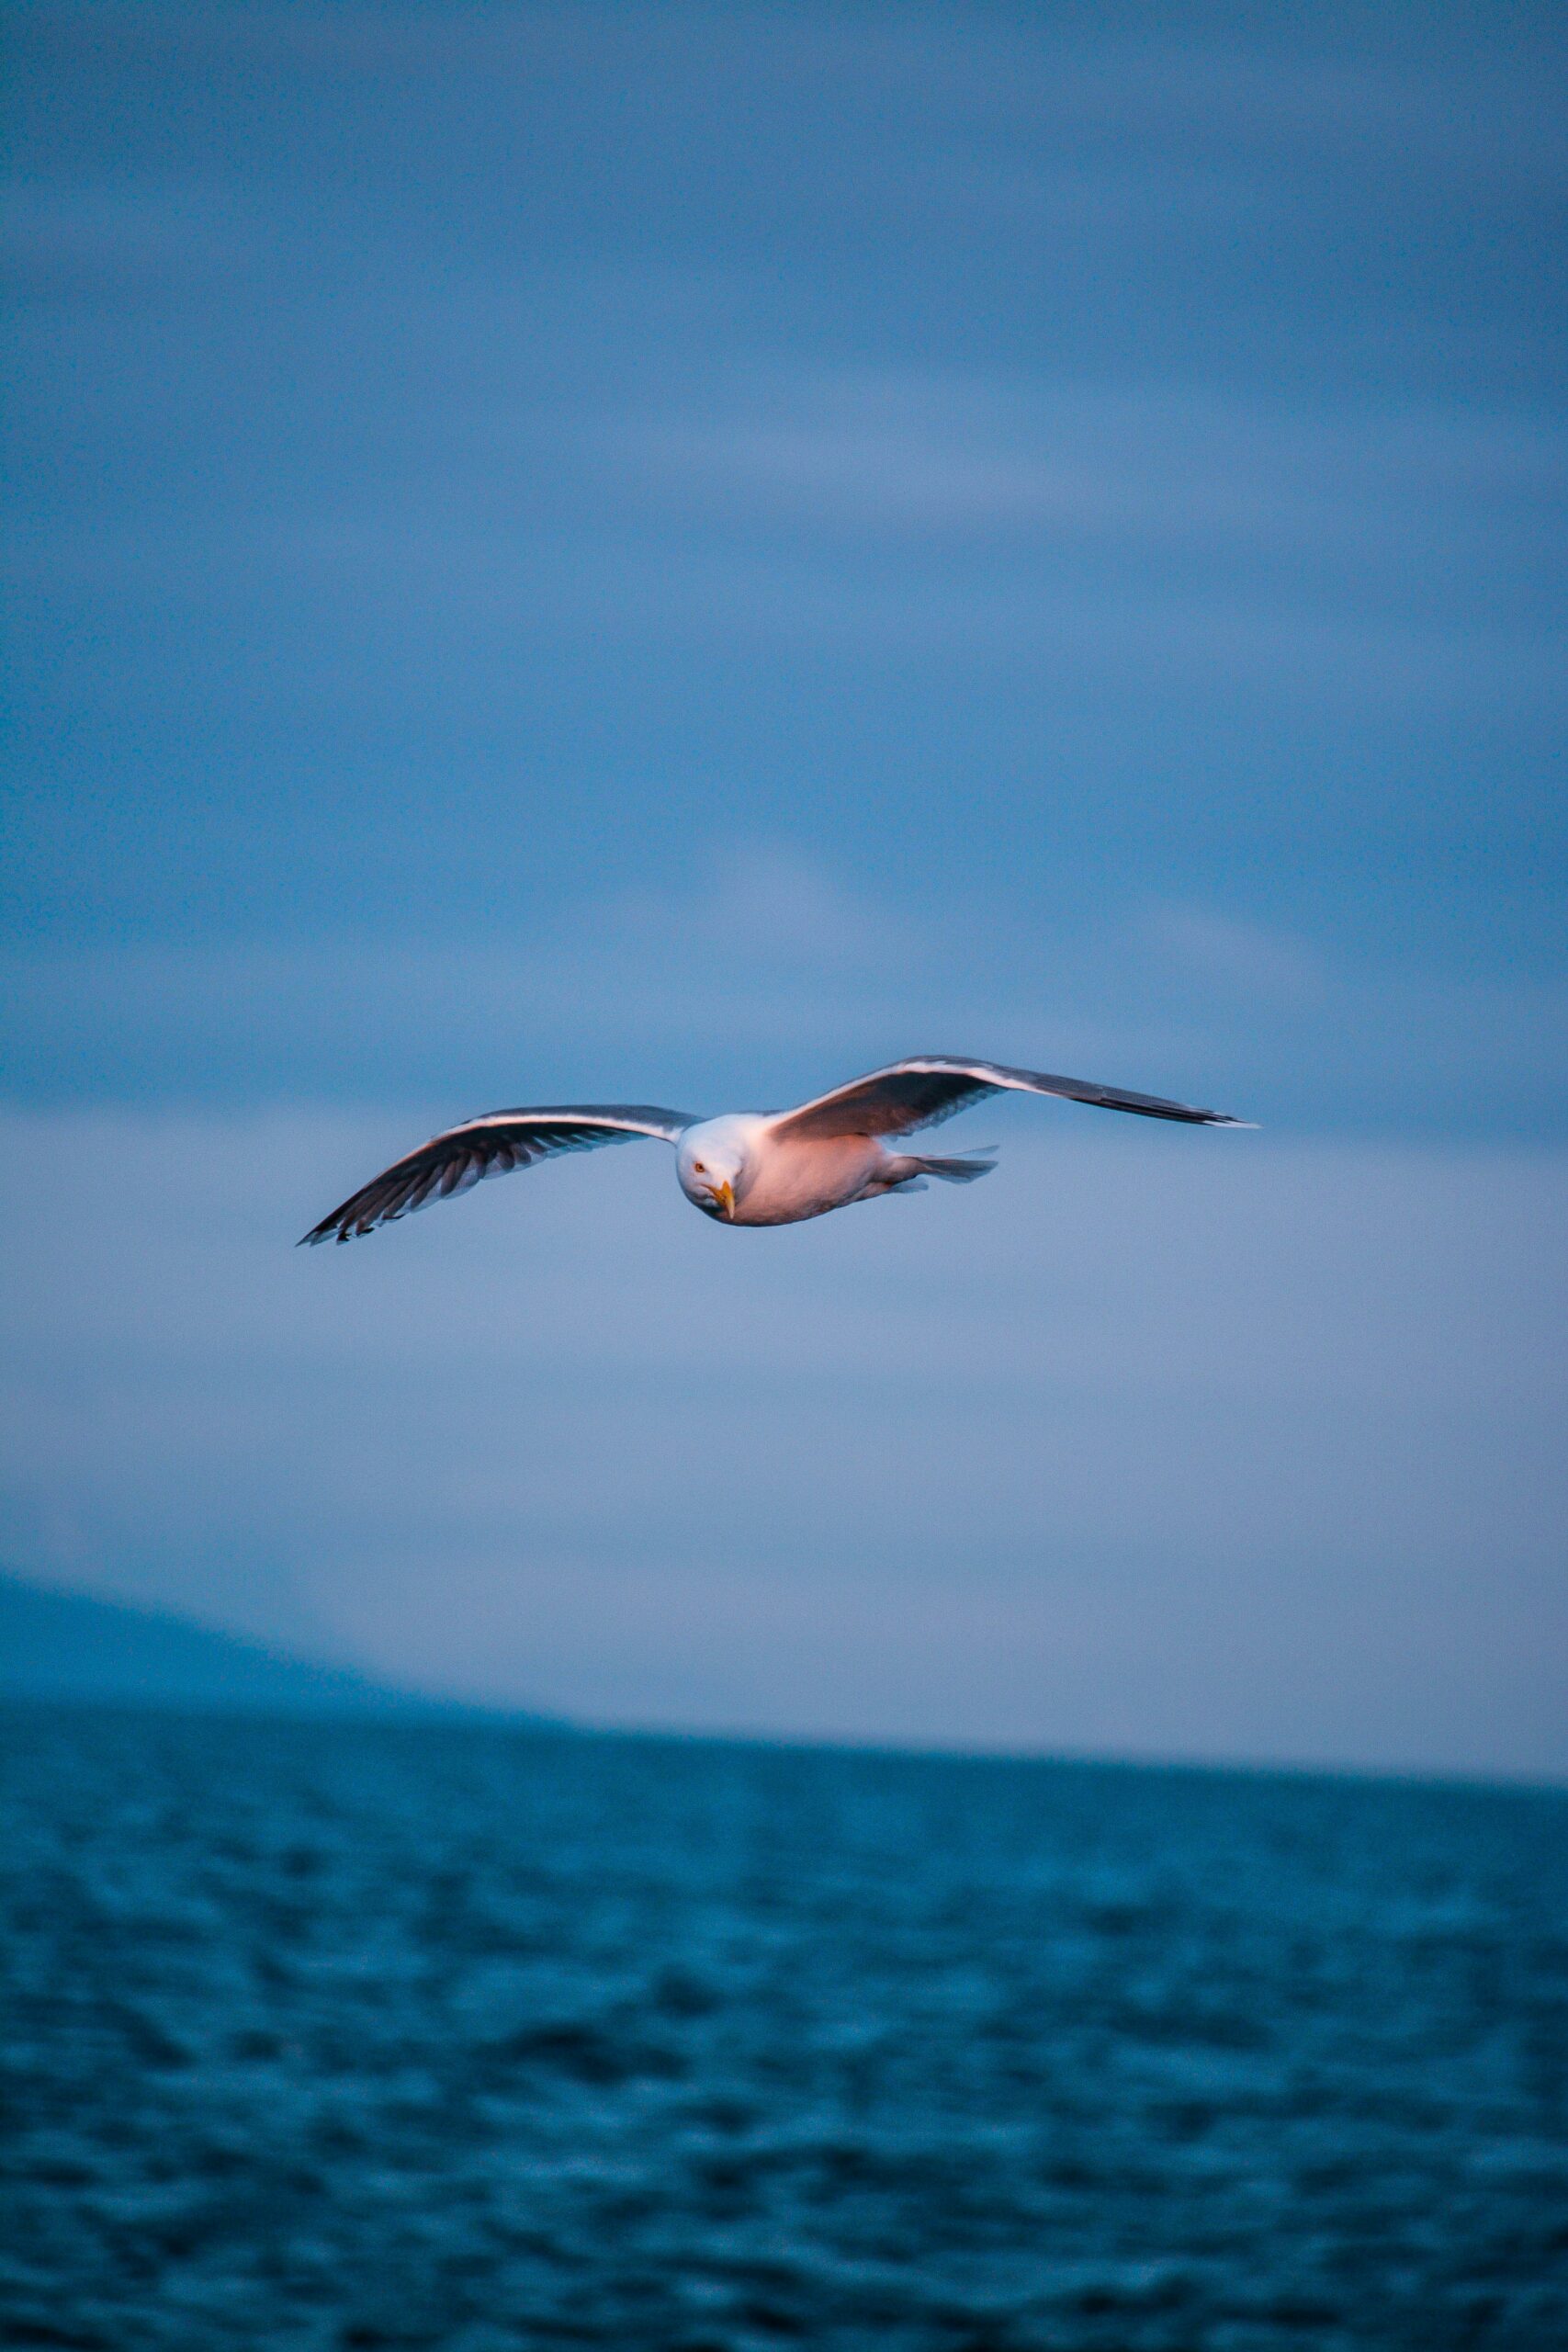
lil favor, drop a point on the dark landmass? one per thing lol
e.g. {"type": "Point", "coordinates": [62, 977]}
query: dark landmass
{"type": "Point", "coordinates": [66, 1645]}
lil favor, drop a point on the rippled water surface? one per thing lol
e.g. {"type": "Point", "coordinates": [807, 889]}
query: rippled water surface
{"type": "Point", "coordinates": [425, 2035]}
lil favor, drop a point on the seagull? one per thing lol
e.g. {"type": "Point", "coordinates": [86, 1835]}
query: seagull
{"type": "Point", "coordinates": [747, 1167]}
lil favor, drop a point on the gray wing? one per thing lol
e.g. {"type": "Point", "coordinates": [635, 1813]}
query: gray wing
{"type": "Point", "coordinates": [930, 1087]}
{"type": "Point", "coordinates": [492, 1145]}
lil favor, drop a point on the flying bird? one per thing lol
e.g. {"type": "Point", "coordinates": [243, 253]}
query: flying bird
{"type": "Point", "coordinates": [748, 1166]}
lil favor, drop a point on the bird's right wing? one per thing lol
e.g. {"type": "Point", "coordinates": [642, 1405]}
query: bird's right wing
{"type": "Point", "coordinates": [930, 1087]}
{"type": "Point", "coordinates": [491, 1145]}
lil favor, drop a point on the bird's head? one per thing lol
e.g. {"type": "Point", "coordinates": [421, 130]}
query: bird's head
{"type": "Point", "coordinates": [710, 1163]}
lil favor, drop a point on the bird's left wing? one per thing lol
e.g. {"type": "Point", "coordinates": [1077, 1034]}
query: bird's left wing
{"type": "Point", "coordinates": [929, 1086]}
{"type": "Point", "coordinates": [492, 1145]}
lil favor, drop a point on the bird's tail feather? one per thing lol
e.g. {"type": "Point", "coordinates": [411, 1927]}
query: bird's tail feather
{"type": "Point", "coordinates": [961, 1171]}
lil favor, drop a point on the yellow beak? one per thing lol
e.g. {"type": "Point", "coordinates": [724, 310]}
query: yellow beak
{"type": "Point", "coordinates": [724, 1197]}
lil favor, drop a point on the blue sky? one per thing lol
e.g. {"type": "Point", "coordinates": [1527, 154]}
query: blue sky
{"type": "Point", "coordinates": [679, 553]}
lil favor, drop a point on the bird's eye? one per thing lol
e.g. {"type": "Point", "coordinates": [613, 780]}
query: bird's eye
{"type": "Point", "coordinates": [698, 1165]}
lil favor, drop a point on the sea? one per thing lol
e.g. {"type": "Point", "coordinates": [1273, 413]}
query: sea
{"type": "Point", "coordinates": [452, 2034]}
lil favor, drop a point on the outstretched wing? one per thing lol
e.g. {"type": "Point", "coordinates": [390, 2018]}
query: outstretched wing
{"type": "Point", "coordinates": [492, 1145]}
{"type": "Point", "coordinates": [929, 1086]}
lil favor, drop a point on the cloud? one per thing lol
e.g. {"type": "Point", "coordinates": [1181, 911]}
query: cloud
{"type": "Point", "coordinates": [808, 505]}
{"type": "Point", "coordinates": [1171, 1444]}
{"type": "Point", "coordinates": [1034, 461]}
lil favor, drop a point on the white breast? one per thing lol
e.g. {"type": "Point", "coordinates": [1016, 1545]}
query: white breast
{"type": "Point", "coordinates": [788, 1180]}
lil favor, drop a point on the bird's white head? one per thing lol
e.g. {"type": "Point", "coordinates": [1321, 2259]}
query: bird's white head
{"type": "Point", "coordinates": [711, 1162]}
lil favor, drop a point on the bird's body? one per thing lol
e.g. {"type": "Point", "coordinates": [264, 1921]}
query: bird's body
{"type": "Point", "coordinates": [749, 1167]}
{"type": "Point", "coordinates": [781, 1179]}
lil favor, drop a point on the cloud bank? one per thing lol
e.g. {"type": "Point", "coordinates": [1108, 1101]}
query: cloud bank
{"type": "Point", "coordinates": [1204, 1445]}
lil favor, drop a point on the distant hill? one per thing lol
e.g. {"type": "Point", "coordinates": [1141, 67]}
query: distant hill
{"type": "Point", "coordinates": [64, 1646]}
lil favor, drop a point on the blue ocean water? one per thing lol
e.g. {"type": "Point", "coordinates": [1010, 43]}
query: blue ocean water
{"type": "Point", "coordinates": [449, 2035]}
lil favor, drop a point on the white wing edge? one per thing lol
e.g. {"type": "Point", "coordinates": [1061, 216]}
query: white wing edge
{"type": "Point", "coordinates": [637, 1119]}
